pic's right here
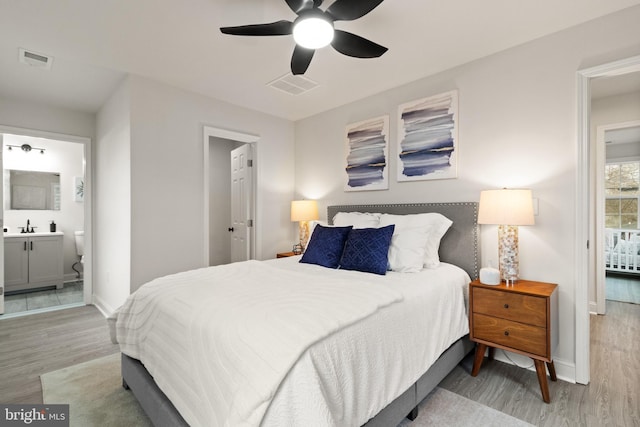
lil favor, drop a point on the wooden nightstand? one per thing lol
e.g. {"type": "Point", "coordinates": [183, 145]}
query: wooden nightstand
{"type": "Point", "coordinates": [522, 318]}
{"type": "Point", "coordinates": [284, 254]}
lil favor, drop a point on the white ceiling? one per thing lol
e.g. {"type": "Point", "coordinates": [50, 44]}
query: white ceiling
{"type": "Point", "coordinates": [97, 42]}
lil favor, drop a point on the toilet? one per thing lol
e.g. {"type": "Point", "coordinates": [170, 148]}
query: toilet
{"type": "Point", "coordinates": [80, 245]}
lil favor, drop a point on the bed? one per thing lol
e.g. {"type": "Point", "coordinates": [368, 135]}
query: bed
{"type": "Point", "coordinates": [622, 250]}
{"type": "Point", "coordinates": [362, 391]}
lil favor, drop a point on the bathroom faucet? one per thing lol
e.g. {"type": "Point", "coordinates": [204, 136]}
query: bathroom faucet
{"type": "Point", "coordinates": [29, 229]}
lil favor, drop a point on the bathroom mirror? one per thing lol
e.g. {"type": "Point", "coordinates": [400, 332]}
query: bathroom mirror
{"type": "Point", "coordinates": [31, 190]}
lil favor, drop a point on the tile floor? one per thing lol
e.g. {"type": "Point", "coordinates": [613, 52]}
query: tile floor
{"type": "Point", "coordinates": [623, 288]}
{"type": "Point", "coordinates": [71, 293]}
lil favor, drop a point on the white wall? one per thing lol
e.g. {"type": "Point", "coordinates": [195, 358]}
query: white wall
{"type": "Point", "coordinates": [517, 128]}
{"type": "Point", "coordinates": [24, 114]}
{"type": "Point", "coordinates": [65, 158]}
{"type": "Point", "coordinates": [163, 224]}
{"type": "Point", "coordinates": [614, 109]}
{"type": "Point", "coordinates": [220, 200]}
{"type": "Point", "coordinates": [112, 202]}
{"type": "Point", "coordinates": [611, 110]}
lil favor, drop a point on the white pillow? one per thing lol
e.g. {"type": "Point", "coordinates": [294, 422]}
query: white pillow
{"type": "Point", "coordinates": [356, 219]}
{"type": "Point", "coordinates": [407, 250]}
{"type": "Point", "coordinates": [434, 224]}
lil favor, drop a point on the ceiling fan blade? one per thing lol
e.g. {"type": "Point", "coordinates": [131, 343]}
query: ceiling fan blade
{"type": "Point", "coordinates": [299, 5]}
{"type": "Point", "coordinates": [356, 46]}
{"type": "Point", "coordinates": [348, 10]}
{"type": "Point", "coordinates": [279, 28]}
{"type": "Point", "coordinates": [301, 59]}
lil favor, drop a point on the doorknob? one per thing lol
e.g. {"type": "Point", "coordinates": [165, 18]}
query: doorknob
{"type": "Point", "coordinates": [230, 229]}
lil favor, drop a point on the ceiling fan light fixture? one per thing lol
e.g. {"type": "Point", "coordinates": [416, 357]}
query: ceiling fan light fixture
{"type": "Point", "coordinates": [313, 32]}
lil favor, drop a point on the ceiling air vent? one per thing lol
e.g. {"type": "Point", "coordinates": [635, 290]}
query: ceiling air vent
{"type": "Point", "coordinates": [34, 59]}
{"type": "Point", "coordinates": [293, 85]}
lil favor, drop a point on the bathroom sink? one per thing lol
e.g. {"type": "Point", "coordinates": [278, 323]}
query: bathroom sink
{"type": "Point", "coordinates": [37, 234]}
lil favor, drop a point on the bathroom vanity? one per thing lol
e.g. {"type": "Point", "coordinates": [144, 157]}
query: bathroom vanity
{"type": "Point", "coordinates": [33, 260]}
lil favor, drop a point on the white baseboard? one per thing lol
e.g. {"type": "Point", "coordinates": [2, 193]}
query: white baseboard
{"type": "Point", "coordinates": [565, 371]}
{"type": "Point", "coordinates": [102, 306]}
{"type": "Point", "coordinates": [72, 277]}
{"type": "Point", "coordinates": [593, 307]}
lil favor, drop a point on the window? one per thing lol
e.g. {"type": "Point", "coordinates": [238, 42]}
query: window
{"type": "Point", "coordinates": [622, 185]}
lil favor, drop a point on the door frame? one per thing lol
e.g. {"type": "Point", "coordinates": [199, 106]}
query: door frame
{"type": "Point", "coordinates": [88, 199]}
{"type": "Point", "coordinates": [243, 137]}
{"type": "Point", "coordinates": [585, 225]}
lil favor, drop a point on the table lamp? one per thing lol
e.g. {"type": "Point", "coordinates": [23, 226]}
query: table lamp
{"type": "Point", "coordinates": [304, 211]}
{"type": "Point", "coordinates": [507, 208]}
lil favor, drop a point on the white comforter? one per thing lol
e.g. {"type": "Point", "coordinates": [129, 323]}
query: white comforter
{"type": "Point", "coordinates": [343, 379]}
{"type": "Point", "coordinates": [219, 341]}
{"type": "Point", "coordinates": [348, 377]}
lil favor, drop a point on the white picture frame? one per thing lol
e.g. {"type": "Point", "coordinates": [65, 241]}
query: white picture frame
{"type": "Point", "coordinates": [428, 138]}
{"type": "Point", "coordinates": [367, 159]}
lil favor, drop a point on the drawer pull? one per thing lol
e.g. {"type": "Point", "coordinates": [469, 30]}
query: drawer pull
{"type": "Point", "coordinates": [506, 306]}
{"type": "Point", "coordinates": [506, 333]}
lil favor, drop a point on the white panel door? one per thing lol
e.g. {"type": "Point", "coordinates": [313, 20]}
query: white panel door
{"type": "Point", "coordinates": [2, 286]}
{"type": "Point", "coordinates": [241, 203]}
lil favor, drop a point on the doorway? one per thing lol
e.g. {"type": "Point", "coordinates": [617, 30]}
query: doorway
{"type": "Point", "coordinates": [221, 231]}
{"type": "Point", "coordinates": [617, 194]}
{"type": "Point", "coordinates": [42, 173]}
{"type": "Point", "coordinates": [585, 208]}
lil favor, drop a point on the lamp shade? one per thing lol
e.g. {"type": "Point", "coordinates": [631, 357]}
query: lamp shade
{"type": "Point", "coordinates": [304, 210]}
{"type": "Point", "coordinates": [506, 207]}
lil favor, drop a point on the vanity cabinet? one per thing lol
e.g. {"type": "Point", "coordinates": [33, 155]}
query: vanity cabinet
{"type": "Point", "coordinates": [33, 262]}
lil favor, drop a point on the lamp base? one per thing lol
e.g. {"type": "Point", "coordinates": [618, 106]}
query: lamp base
{"type": "Point", "coordinates": [508, 253]}
{"type": "Point", "coordinates": [303, 230]}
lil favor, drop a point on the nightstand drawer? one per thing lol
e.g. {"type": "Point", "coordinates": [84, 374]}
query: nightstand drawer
{"type": "Point", "coordinates": [516, 335]}
{"type": "Point", "coordinates": [508, 305]}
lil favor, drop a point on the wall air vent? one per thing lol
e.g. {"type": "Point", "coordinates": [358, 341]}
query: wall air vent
{"type": "Point", "coordinates": [293, 85]}
{"type": "Point", "coordinates": [34, 59]}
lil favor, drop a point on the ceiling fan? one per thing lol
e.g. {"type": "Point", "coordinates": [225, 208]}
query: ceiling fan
{"type": "Point", "coordinates": [313, 29]}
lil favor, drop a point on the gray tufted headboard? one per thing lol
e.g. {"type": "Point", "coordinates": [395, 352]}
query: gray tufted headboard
{"type": "Point", "coordinates": [459, 245]}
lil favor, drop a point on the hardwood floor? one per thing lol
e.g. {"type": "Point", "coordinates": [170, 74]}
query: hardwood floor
{"type": "Point", "coordinates": [33, 345]}
{"type": "Point", "coordinates": [611, 399]}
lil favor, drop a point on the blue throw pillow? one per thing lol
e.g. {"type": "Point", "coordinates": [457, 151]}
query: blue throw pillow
{"type": "Point", "coordinates": [325, 246]}
{"type": "Point", "coordinates": [367, 250]}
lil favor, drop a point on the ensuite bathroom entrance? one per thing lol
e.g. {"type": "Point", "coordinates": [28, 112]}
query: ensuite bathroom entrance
{"type": "Point", "coordinates": [43, 219]}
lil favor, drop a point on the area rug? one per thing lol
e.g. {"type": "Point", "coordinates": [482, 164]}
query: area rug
{"type": "Point", "coordinates": [96, 398]}
{"type": "Point", "coordinates": [94, 393]}
{"type": "Point", "coordinates": [442, 408]}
